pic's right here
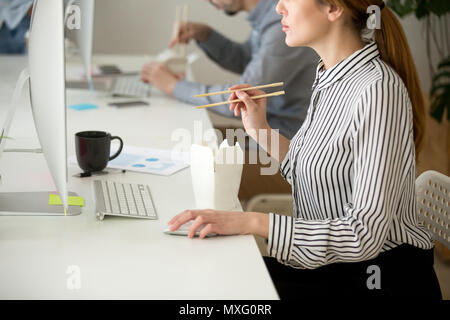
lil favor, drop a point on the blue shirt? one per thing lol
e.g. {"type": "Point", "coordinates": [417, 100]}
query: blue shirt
{"type": "Point", "coordinates": [13, 11]}
{"type": "Point", "coordinates": [264, 58]}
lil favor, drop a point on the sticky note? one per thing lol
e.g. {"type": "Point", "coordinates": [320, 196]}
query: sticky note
{"type": "Point", "coordinates": [83, 106]}
{"type": "Point", "coordinates": [55, 200]}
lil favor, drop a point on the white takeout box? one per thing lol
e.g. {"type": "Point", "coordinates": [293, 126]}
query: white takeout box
{"type": "Point", "coordinates": [178, 64]}
{"type": "Point", "coordinates": [216, 175]}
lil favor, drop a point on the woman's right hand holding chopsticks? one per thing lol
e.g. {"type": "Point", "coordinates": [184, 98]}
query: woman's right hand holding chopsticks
{"type": "Point", "coordinates": [252, 112]}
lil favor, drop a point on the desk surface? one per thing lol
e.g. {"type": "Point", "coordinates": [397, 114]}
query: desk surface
{"type": "Point", "coordinates": [118, 258]}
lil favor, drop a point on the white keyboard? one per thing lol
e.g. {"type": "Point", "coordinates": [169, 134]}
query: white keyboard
{"type": "Point", "coordinates": [130, 86]}
{"type": "Point", "coordinates": [124, 200]}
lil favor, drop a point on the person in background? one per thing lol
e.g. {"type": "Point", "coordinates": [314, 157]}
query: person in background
{"type": "Point", "coordinates": [14, 23]}
{"type": "Point", "coordinates": [355, 230]}
{"type": "Point", "coordinates": [263, 59]}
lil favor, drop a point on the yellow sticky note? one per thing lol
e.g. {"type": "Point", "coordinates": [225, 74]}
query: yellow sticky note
{"type": "Point", "coordinates": [55, 200]}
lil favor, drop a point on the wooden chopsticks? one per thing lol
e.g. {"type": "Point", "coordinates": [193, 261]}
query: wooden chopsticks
{"type": "Point", "coordinates": [278, 84]}
{"type": "Point", "coordinates": [274, 94]}
{"type": "Point", "coordinates": [278, 93]}
{"type": "Point", "coordinates": [181, 15]}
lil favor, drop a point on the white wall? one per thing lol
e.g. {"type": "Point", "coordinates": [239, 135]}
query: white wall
{"type": "Point", "coordinates": [145, 26]}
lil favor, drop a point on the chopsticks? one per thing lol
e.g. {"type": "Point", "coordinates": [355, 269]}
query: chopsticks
{"type": "Point", "coordinates": [181, 15]}
{"type": "Point", "coordinates": [184, 18]}
{"type": "Point", "coordinates": [274, 94]}
{"type": "Point", "coordinates": [278, 84]}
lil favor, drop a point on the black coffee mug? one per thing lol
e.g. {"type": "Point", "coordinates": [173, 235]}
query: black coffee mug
{"type": "Point", "coordinates": [93, 150]}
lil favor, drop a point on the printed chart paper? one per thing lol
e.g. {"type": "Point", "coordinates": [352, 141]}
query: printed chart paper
{"type": "Point", "coordinates": [153, 161]}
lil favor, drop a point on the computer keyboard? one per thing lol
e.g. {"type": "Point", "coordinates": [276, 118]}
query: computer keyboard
{"type": "Point", "coordinates": [131, 86]}
{"type": "Point", "coordinates": [124, 200]}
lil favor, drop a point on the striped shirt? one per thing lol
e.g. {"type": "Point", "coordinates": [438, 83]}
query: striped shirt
{"type": "Point", "coordinates": [352, 169]}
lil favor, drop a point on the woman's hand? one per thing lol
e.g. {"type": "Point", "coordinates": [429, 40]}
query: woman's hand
{"type": "Point", "coordinates": [222, 222]}
{"type": "Point", "coordinates": [253, 112]}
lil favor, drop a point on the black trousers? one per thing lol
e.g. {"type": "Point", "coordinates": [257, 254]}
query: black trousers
{"type": "Point", "coordinates": [405, 271]}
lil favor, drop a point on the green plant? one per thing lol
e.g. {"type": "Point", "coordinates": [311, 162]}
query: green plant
{"type": "Point", "coordinates": [440, 91]}
{"type": "Point", "coordinates": [435, 15]}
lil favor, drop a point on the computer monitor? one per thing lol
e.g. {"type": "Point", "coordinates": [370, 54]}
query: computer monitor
{"type": "Point", "coordinates": [84, 35]}
{"type": "Point", "coordinates": [46, 68]}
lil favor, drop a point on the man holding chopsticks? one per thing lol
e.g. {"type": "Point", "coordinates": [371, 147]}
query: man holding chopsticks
{"type": "Point", "coordinates": [264, 58]}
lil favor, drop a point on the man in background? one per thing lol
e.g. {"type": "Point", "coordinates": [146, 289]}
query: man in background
{"type": "Point", "coordinates": [263, 59]}
{"type": "Point", "coordinates": [14, 23]}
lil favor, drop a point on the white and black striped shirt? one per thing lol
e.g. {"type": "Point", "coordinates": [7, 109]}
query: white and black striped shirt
{"type": "Point", "coordinates": [352, 169]}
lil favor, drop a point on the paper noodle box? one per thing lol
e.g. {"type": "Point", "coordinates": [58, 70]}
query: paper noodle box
{"type": "Point", "coordinates": [216, 175]}
{"type": "Point", "coordinates": [178, 64]}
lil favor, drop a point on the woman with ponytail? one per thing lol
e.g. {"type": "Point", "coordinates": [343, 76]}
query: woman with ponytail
{"type": "Point", "coordinates": [355, 229]}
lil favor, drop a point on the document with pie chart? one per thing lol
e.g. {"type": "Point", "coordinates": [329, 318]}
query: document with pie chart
{"type": "Point", "coordinates": [153, 161]}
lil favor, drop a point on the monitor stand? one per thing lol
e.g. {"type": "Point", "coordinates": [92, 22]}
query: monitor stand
{"type": "Point", "coordinates": [27, 203]}
{"type": "Point", "coordinates": [33, 204]}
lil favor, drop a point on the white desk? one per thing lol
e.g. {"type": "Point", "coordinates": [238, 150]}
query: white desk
{"type": "Point", "coordinates": [118, 258]}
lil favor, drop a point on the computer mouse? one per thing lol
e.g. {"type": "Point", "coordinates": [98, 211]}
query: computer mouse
{"type": "Point", "coordinates": [183, 230]}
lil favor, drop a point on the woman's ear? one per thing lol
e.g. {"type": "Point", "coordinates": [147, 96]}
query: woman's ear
{"type": "Point", "coordinates": [334, 12]}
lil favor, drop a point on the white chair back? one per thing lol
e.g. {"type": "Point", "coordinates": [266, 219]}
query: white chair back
{"type": "Point", "coordinates": [433, 201]}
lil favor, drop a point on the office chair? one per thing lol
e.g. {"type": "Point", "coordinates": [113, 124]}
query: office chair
{"type": "Point", "coordinates": [433, 202]}
{"type": "Point", "coordinates": [279, 203]}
